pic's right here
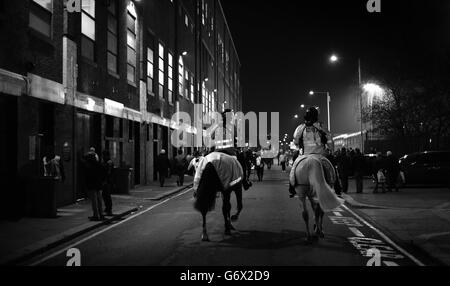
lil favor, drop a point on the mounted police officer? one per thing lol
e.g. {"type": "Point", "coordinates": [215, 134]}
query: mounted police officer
{"type": "Point", "coordinates": [310, 139]}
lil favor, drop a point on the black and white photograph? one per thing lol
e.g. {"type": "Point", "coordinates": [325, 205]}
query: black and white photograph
{"type": "Point", "coordinates": [196, 135]}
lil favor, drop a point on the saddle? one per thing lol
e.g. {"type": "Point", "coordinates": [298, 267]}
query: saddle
{"type": "Point", "coordinates": [328, 169]}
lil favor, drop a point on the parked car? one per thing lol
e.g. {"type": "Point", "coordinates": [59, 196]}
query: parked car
{"type": "Point", "coordinates": [426, 168]}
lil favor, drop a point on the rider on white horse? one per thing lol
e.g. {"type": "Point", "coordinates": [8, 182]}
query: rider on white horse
{"type": "Point", "coordinates": [311, 139]}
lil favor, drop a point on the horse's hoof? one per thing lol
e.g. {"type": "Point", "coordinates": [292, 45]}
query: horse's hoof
{"type": "Point", "coordinates": [228, 232]}
{"type": "Point", "coordinates": [205, 238]}
{"type": "Point", "coordinates": [234, 218]}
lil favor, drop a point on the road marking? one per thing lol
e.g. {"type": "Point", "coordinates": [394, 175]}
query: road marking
{"type": "Point", "coordinates": [107, 229]}
{"type": "Point", "coordinates": [356, 232]}
{"type": "Point", "coordinates": [347, 221]}
{"type": "Point", "coordinates": [390, 263]}
{"type": "Point", "coordinates": [387, 239]}
{"type": "Point", "coordinates": [337, 214]}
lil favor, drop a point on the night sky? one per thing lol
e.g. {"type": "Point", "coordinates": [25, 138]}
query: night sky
{"type": "Point", "coordinates": [284, 48]}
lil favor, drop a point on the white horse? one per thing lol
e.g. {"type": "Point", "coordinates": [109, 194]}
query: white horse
{"type": "Point", "coordinates": [313, 183]}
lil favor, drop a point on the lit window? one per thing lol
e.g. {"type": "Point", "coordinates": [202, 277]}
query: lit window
{"type": "Point", "coordinates": [131, 46]}
{"type": "Point", "coordinates": [170, 78]}
{"type": "Point", "coordinates": [112, 37]}
{"type": "Point", "coordinates": [181, 76]}
{"type": "Point", "coordinates": [186, 83]}
{"type": "Point", "coordinates": [161, 71]}
{"type": "Point", "coordinates": [40, 17]}
{"type": "Point", "coordinates": [186, 21]}
{"type": "Point", "coordinates": [192, 88]}
{"type": "Point", "coordinates": [150, 70]}
{"type": "Point", "coordinates": [88, 29]}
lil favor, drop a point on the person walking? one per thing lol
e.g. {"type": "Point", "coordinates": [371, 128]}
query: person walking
{"type": "Point", "coordinates": [379, 170]}
{"type": "Point", "coordinates": [282, 160]}
{"type": "Point", "coordinates": [180, 167]}
{"type": "Point", "coordinates": [162, 167]}
{"type": "Point", "coordinates": [260, 167]}
{"type": "Point", "coordinates": [344, 166]}
{"type": "Point", "coordinates": [337, 182]}
{"type": "Point", "coordinates": [359, 165]}
{"type": "Point", "coordinates": [108, 168]}
{"type": "Point", "coordinates": [93, 183]}
{"type": "Point", "coordinates": [392, 172]}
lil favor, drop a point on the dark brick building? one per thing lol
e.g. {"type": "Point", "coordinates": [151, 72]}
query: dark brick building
{"type": "Point", "coordinates": [110, 76]}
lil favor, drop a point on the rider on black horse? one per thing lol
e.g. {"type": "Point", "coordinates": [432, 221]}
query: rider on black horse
{"type": "Point", "coordinates": [310, 138]}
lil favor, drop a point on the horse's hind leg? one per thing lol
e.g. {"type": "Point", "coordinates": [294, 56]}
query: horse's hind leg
{"type": "Point", "coordinates": [226, 209]}
{"type": "Point", "coordinates": [238, 193]}
{"type": "Point", "coordinates": [205, 236]}
{"type": "Point", "coordinates": [319, 214]}
{"type": "Point", "coordinates": [305, 215]}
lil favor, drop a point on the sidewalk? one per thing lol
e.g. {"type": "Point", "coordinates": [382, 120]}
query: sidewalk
{"type": "Point", "coordinates": [420, 217]}
{"type": "Point", "coordinates": [31, 236]}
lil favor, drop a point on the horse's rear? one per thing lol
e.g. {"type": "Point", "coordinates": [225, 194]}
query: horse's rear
{"type": "Point", "coordinates": [313, 183]}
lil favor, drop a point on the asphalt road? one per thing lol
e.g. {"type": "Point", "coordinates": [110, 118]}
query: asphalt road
{"type": "Point", "coordinates": [270, 232]}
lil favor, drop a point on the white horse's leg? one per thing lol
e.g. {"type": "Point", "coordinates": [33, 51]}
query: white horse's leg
{"type": "Point", "coordinates": [305, 215]}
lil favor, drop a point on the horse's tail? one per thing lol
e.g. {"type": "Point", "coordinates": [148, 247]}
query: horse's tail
{"type": "Point", "coordinates": [207, 190]}
{"type": "Point", "coordinates": [327, 198]}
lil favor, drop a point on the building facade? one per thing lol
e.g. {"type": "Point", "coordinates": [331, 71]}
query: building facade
{"type": "Point", "coordinates": [110, 75]}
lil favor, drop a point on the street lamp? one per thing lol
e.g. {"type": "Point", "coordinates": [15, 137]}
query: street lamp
{"type": "Point", "coordinates": [334, 59]}
{"type": "Point", "coordinates": [302, 106]}
{"type": "Point", "coordinates": [312, 93]}
{"type": "Point", "coordinates": [296, 116]}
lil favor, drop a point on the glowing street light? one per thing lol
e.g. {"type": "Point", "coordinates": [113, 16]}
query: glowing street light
{"type": "Point", "coordinates": [334, 59]}
{"type": "Point", "coordinates": [296, 116]}
{"type": "Point", "coordinates": [302, 106]}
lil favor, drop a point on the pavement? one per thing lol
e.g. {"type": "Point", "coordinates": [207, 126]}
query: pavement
{"type": "Point", "coordinates": [28, 237]}
{"type": "Point", "coordinates": [418, 217]}
{"type": "Point", "coordinates": [270, 232]}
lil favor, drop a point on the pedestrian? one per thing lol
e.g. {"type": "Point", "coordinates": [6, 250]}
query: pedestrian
{"type": "Point", "coordinates": [162, 167]}
{"type": "Point", "coordinates": [333, 161]}
{"type": "Point", "coordinates": [180, 167]}
{"type": "Point", "coordinates": [282, 160]}
{"type": "Point", "coordinates": [392, 172]}
{"type": "Point", "coordinates": [93, 182]}
{"type": "Point", "coordinates": [344, 166]}
{"type": "Point", "coordinates": [108, 168]}
{"type": "Point", "coordinates": [260, 167]}
{"type": "Point", "coordinates": [379, 170]}
{"type": "Point", "coordinates": [359, 165]}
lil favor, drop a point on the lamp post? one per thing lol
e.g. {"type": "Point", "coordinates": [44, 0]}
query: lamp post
{"type": "Point", "coordinates": [328, 105]}
{"type": "Point", "coordinates": [334, 59]}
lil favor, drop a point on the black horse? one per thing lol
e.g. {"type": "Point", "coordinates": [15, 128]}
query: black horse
{"type": "Point", "coordinates": [210, 184]}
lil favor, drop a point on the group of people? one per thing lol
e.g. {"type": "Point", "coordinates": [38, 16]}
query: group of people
{"type": "Point", "coordinates": [181, 165]}
{"type": "Point", "coordinates": [348, 162]}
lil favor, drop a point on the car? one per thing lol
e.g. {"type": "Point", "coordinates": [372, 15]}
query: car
{"type": "Point", "coordinates": [427, 168]}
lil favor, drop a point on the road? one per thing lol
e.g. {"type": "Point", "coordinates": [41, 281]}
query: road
{"type": "Point", "coordinates": [271, 232]}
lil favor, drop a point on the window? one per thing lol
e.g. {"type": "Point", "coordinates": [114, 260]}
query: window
{"type": "Point", "coordinates": [150, 71]}
{"type": "Point", "coordinates": [161, 71]}
{"type": "Point", "coordinates": [192, 88]}
{"type": "Point", "coordinates": [186, 83]}
{"type": "Point", "coordinates": [88, 29]}
{"type": "Point", "coordinates": [170, 78]}
{"type": "Point", "coordinates": [112, 37]}
{"type": "Point", "coordinates": [186, 20]}
{"type": "Point", "coordinates": [227, 61]}
{"type": "Point", "coordinates": [131, 45]}
{"type": "Point", "coordinates": [40, 17]}
{"type": "Point", "coordinates": [181, 76]}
